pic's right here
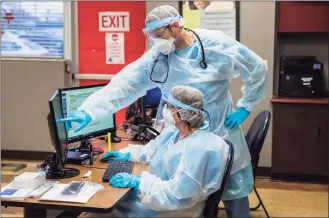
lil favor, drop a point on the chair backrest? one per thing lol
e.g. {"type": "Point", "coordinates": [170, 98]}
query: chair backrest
{"type": "Point", "coordinates": [256, 136]}
{"type": "Point", "coordinates": [211, 208]}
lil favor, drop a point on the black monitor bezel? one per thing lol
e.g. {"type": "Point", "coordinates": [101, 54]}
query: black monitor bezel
{"type": "Point", "coordinates": [61, 157]}
{"type": "Point", "coordinates": [92, 134]}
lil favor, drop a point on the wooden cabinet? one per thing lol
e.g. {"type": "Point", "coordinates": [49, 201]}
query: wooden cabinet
{"type": "Point", "coordinates": [303, 16]}
{"type": "Point", "coordinates": [300, 139]}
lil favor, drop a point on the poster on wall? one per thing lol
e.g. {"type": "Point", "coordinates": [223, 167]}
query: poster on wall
{"type": "Point", "coordinates": [114, 45]}
{"type": "Point", "coordinates": [212, 15]}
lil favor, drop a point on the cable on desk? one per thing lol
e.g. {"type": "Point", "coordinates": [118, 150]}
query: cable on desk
{"type": "Point", "coordinates": [93, 167]}
{"type": "Point", "coordinates": [98, 151]}
{"type": "Point", "coordinates": [127, 140]}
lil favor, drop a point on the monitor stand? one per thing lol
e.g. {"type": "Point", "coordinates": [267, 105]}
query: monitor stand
{"type": "Point", "coordinates": [54, 170]}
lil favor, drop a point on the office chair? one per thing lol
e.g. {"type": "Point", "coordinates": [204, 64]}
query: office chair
{"type": "Point", "coordinates": [211, 208]}
{"type": "Point", "coordinates": [255, 138]}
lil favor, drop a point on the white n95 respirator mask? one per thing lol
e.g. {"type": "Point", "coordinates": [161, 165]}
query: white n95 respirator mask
{"type": "Point", "coordinates": [168, 117]}
{"type": "Point", "coordinates": [165, 46]}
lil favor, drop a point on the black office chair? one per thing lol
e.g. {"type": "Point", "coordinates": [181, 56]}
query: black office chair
{"type": "Point", "coordinates": [255, 138]}
{"type": "Point", "coordinates": [211, 208]}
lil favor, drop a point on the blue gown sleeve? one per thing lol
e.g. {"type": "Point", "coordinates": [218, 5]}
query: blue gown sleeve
{"type": "Point", "coordinates": [151, 148]}
{"type": "Point", "coordinates": [131, 83]}
{"type": "Point", "coordinates": [251, 68]}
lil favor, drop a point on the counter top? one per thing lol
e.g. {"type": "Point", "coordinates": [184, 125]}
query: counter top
{"type": "Point", "coordinates": [287, 100]}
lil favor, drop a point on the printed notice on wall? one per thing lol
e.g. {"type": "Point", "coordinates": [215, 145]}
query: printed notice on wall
{"type": "Point", "coordinates": [219, 20]}
{"type": "Point", "coordinates": [213, 15]}
{"type": "Point", "coordinates": [115, 51]}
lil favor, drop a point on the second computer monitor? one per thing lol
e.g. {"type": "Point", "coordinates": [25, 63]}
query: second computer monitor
{"type": "Point", "coordinates": [57, 129]}
{"type": "Point", "coordinates": [72, 98]}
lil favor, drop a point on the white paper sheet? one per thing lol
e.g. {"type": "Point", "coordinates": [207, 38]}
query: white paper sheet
{"type": "Point", "coordinates": [124, 150]}
{"type": "Point", "coordinates": [55, 194]}
{"type": "Point", "coordinates": [7, 192]}
{"type": "Point", "coordinates": [219, 20]}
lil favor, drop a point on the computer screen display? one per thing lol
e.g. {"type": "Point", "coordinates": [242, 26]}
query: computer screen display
{"type": "Point", "coordinates": [72, 98]}
{"type": "Point", "coordinates": [57, 129]}
{"type": "Point", "coordinates": [153, 97]}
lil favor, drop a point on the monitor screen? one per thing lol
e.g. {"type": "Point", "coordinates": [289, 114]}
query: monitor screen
{"type": "Point", "coordinates": [153, 97]}
{"type": "Point", "coordinates": [72, 98]}
{"type": "Point", "coordinates": [57, 129]}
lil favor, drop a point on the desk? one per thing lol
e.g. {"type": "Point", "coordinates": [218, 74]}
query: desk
{"type": "Point", "coordinates": [102, 202]}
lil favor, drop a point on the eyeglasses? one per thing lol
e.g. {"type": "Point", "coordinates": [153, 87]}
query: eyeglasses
{"type": "Point", "coordinates": [157, 33]}
{"type": "Point", "coordinates": [170, 106]}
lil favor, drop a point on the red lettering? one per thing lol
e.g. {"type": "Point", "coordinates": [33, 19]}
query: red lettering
{"type": "Point", "coordinates": [112, 21]}
{"type": "Point", "coordinates": [104, 21]}
{"type": "Point", "coordinates": [123, 20]}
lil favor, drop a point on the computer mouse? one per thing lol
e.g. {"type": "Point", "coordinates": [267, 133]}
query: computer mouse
{"type": "Point", "coordinates": [115, 139]}
{"type": "Point", "coordinates": [107, 159]}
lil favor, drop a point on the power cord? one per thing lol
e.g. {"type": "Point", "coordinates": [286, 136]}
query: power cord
{"type": "Point", "coordinates": [93, 167]}
{"type": "Point", "coordinates": [51, 167]}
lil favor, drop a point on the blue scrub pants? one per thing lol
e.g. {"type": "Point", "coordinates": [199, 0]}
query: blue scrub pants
{"type": "Point", "coordinates": [237, 208]}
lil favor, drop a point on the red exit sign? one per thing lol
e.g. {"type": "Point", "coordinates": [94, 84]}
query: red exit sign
{"type": "Point", "coordinates": [114, 21]}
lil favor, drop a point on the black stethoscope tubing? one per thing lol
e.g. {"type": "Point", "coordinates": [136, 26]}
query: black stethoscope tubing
{"type": "Point", "coordinates": [203, 62]}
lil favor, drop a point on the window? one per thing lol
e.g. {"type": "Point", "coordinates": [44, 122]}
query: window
{"type": "Point", "coordinates": [9, 46]}
{"type": "Point", "coordinates": [36, 27]}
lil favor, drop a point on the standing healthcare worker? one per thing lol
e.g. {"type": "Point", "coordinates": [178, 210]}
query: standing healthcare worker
{"type": "Point", "coordinates": [203, 59]}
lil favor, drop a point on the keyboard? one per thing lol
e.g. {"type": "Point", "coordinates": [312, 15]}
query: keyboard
{"type": "Point", "coordinates": [117, 166]}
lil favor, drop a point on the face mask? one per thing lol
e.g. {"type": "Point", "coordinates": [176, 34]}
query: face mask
{"type": "Point", "coordinates": [168, 117]}
{"type": "Point", "coordinates": [165, 46]}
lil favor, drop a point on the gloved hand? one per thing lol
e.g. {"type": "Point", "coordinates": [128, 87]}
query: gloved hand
{"type": "Point", "coordinates": [125, 180]}
{"type": "Point", "coordinates": [81, 117]}
{"type": "Point", "coordinates": [234, 119]}
{"type": "Point", "coordinates": [117, 155]}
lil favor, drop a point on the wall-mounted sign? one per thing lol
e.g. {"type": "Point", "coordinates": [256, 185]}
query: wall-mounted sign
{"type": "Point", "coordinates": [115, 50]}
{"type": "Point", "coordinates": [213, 15]}
{"type": "Point", "coordinates": [114, 21]}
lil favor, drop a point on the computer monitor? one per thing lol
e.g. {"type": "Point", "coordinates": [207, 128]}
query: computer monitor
{"type": "Point", "coordinates": [148, 105]}
{"type": "Point", "coordinates": [152, 97]}
{"type": "Point", "coordinates": [59, 141]}
{"type": "Point", "coordinates": [72, 98]}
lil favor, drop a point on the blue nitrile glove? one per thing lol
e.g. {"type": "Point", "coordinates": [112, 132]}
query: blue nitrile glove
{"type": "Point", "coordinates": [81, 117]}
{"type": "Point", "coordinates": [125, 180]}
{"type": "Point", "coordinates": [117, 155]}
{"type": "Point", "coordinates": [234, 119]}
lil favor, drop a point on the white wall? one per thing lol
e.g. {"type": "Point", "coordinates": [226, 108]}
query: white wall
{"type": "Point", "coordinates": [257, 31]}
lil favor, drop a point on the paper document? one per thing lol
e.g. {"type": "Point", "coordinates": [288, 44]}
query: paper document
{"type": "Point", "coordinates": [124, 150]}
{"type": "Point", "coordinates": [42, 189]}
{"type": "Point", "coordinates": [55, 194]}
{"type": "Point", "coordinates": [219, 20]}
{"type": "Point", "coordinates": [10, 193]}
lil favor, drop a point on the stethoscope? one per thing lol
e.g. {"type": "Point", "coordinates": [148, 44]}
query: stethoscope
{"type": "Point", "coordinates": [203, 62]}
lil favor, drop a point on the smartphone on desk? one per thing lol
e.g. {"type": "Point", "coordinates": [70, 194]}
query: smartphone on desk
{"type": "Point", "coordinates": [73, 188]}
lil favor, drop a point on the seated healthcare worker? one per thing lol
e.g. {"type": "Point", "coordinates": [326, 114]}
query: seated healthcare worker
{"type": "Point", "coordinates": [186, 163]}
{"type": "Point", "coordinates": [204, 59]}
